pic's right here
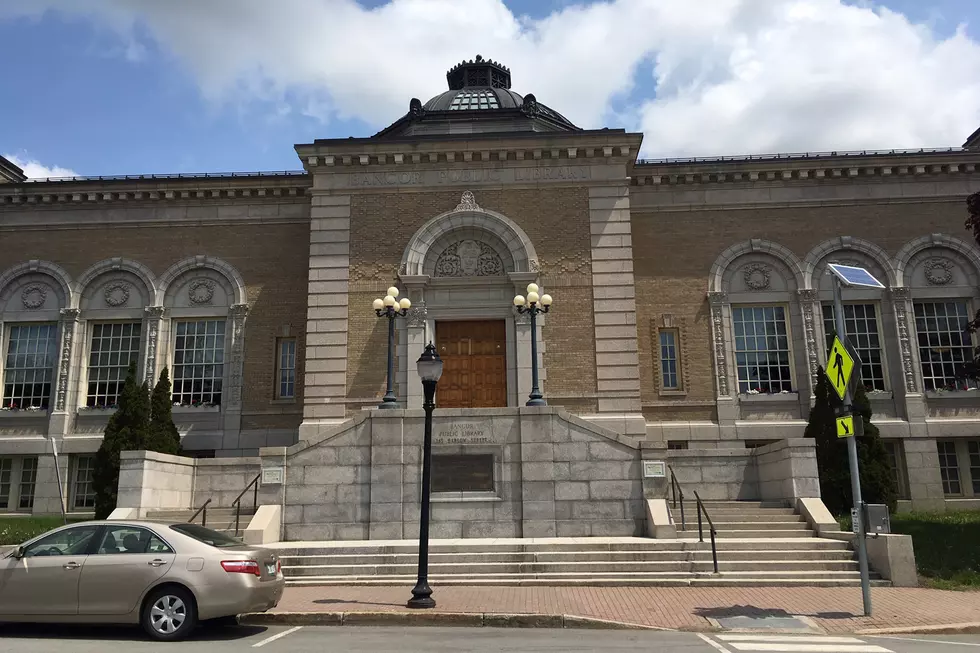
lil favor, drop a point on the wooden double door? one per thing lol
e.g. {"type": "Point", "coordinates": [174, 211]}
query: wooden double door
{"type": "Point", "coordinates": [474, 372]}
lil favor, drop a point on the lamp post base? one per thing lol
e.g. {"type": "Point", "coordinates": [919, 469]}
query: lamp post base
{"type": "Point", "coordinates": [421, 597]}
{"type": "Point", "coordinates": [388, 402]}
{"type": "Point", "coordinates": [537, 401]}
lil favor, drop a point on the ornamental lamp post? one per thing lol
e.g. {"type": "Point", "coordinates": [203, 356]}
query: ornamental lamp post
{"type": "Point", "coordinates": [430, 370]}
{"type": "Point", "coordinates": [391, 308]}
{"type": "Point", "coordinates": [533, 305]}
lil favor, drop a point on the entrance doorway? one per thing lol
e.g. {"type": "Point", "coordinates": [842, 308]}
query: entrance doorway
{"type": "Point", "coordinates": [474, 354]}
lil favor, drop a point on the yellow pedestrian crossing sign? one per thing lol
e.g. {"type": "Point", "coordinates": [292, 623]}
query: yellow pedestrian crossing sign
{"type": "Point", "coordinates": [840, 365]}
{"type": "Point", "coordinates": [845, 426]}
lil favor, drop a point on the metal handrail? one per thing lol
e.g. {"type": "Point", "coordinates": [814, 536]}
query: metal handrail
{"type": "Point", "coordinates": [203, 509]}
{"type": "Point", "coordinates": [711, 529]}
{"type": "Point", "coordinates": [237, 503]}
{"type": "Point", "coordinates": [675, 490]}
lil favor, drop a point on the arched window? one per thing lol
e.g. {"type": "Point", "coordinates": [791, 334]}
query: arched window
{"type": "Point", "coordinates": [202, 342]}
{"type": "Point", "coordinates": [941, 275]}
{"type": "Point", "coordinates": [32, 298]}
{"type": "Point", "coordinates": [113, 297]}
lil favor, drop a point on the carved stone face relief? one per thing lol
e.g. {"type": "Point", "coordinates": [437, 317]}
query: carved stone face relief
{"type": "Point", "coordinates": [469, 258]}
{"type": "Point", "coordinates": [200, 291]}
{"type": "Point", "coordinates": [34, 296]}
{"type": "Point", "coordinates": [116, 293]}
{"type": "Point", "coordinates": [938, 271]}
{"type": "Point", "coordinates": [757, 276]}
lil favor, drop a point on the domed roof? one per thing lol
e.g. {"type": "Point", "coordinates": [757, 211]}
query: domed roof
{"type": "Point", "coordinates": [479, 91]}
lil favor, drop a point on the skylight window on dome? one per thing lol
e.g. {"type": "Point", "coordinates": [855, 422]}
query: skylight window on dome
{"type": "Point", "coordinates": [482, 99]}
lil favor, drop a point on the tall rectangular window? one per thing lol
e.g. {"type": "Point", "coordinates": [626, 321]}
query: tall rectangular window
{"type": "Point", "coordinates": [949, 467]}
{"type": "Point", "coordinates": [893, 448]}
{"type": "Point", "coordinates": [973, 446]}
{"type": "Point", "coordinates": [669, 377]}
{"type": "Point", "coordinates": [6, 471]}
{"type": "Point", "coordinates": [286, 369]}
{"type": "Point", "coordinates": [29, 366]}
{"type": "Point", "coordinates": [28, 481]}
{"type": "Point", "coordinates": [83, 493]}
{"type": "Point", "coordinates": [761, 349]}
{"type": "Point", "coordinates": [861, 322]}
{"type": "Point", "coordinates": [944, 342]}
{"type": "Point", "coordinates": [199, 357]}
{"type": "Point", "coordinates": [114, 345]}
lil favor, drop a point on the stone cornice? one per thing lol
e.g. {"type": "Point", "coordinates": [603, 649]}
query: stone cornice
{"type": "Point", "coordinates": [858, 168]}
{"type": "Point", "coordinates": [558, 148]}
{"type": "Point", "coordinates": [154, 190]}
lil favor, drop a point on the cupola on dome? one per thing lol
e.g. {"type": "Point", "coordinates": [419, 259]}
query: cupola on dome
{"type": "Point", "coordinates": [479, 93]}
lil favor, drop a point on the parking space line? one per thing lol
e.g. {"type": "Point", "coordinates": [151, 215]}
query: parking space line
{"type": "Point", "coordinates": [269, 640]}
{"type": "Point", "coordinates": [713, 643]}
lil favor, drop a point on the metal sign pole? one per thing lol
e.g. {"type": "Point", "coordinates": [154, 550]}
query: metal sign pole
{"type": "Point", "coordinates": [852, 457]}
{"type": "Point", "coordinates": [61, 488]}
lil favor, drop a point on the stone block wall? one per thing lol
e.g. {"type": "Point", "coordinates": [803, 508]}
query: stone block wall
{"type": "Point", "coordinates": [155, 481]}
{"type": "Point", "coordinates": [783, 471]}
{"type": "Point", "coordinates": [554, 475]}
{"type": "Point", "coordinates": [222, 480]}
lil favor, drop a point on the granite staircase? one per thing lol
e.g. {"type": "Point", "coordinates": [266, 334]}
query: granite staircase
{"type": "Point", "coordinates": [758, 545]}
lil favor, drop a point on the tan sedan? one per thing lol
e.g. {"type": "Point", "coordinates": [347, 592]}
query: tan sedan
{"type": "Point", "coordinates": [163, 576]}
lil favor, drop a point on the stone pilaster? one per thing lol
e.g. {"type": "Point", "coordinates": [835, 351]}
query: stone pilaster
{"type": "Point", "coordinates": [153, 316]}
{"type": "Point", "coordinates": [232, 405]}
{"type": "Point", "coordinates": [720, 345]}
{"type": "Point", "coordinates": [810, 307]}
{"type": "Point", "coordinates": [415, 323]}
{"type": "Point", "coordinates": [60, 420]}
{"type": "Point", "coordinates": [915, 407]}
{"type": "Point", "coordinates": [325, 384]}
{"type": "Point", "coordinates": [614, 303]}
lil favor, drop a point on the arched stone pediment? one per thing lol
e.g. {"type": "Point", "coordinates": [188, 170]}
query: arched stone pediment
{"type": "Point", "coordinates": [469, 222]}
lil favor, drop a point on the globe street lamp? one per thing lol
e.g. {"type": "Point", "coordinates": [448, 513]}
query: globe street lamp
{"type": "Point", "coordinates": [533, 305]}
{"type": "Point", "coordinates": [391, 308]}
{"type": "Point", "coordinates": [430, 369]}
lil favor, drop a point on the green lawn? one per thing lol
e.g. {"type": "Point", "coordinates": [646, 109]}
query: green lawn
{"type": "Point", "coordinates": [947, 546]}
{"type": "Point", "coordinates": [16, 530]}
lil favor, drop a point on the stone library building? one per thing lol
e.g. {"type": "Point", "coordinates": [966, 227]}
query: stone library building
{"type": "Point", "coordinates": [691, 308]}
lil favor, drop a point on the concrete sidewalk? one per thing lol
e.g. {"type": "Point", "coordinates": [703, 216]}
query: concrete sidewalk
{"type": "Point", "coordinates": [830, 609]}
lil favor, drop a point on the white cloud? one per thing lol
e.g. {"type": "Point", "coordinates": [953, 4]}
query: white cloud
{"type": "Point", "coordinates": [729, 76]}
{"type": "Point", "coordinates": [36, 170]}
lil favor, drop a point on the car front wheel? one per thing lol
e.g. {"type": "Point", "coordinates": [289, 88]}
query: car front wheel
{"type": "Point", "coordinates": [169, 614]}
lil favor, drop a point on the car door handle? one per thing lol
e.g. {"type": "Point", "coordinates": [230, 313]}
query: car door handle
{"type": "Point", "coordinates": [157, 563]}
{"type": "Point", "coordinates": [71, 565]}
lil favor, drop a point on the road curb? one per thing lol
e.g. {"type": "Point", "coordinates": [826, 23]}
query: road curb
{"type": "Point", "coordinates": [970, 628]}
{"type": "Point", "coordinates": [427, 618]}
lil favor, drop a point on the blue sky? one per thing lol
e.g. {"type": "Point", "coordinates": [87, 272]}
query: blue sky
{"type": "Point", "coordinates": [116, 88]}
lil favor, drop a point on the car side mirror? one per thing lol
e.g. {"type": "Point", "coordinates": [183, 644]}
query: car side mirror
{"type": "Point", "coordinates": [17, 553]}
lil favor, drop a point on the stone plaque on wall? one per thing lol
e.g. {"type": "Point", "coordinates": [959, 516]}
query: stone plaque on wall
{"type": "Point", "coordinates": [462, 472]}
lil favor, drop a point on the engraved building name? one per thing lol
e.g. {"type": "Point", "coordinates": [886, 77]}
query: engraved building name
{"type": "Point", "coordinates": [463, 434]}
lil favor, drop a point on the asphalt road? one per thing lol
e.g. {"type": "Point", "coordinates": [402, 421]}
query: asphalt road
{"type": "Point", "coordinates": [282, 639]}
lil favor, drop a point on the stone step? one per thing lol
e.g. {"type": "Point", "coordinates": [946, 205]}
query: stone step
{"type": "Point", "coordinates": [745, 532]}
{"type": "Point", "coordinates": [730, 579]}
{"type": "Point", "coordinates": [568, 556]}
{"type": "Point", "coordinates": [184, 515]}
{"type": "Point", "coordinates": [585, 568]}
{"type": "Point", "coordinates": [692, 525]}
{"type": "Point", "coordinates": [735, 517]}
{"type": "Point", "coordinates": [743, 541]}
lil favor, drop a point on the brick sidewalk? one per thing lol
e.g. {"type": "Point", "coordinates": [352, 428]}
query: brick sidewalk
{"type": "Point", "coordinates": [834, 609]}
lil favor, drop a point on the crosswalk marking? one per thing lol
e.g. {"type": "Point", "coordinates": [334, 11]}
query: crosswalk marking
{"type": "Point", "coordinates": [760, 642]}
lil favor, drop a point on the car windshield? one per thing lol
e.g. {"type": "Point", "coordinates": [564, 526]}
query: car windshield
{"type": "Point", "coordinates": [206, 535]}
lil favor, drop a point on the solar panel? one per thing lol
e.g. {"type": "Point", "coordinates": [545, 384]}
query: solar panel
{"type": "Point", "coordinates": [854, 276]}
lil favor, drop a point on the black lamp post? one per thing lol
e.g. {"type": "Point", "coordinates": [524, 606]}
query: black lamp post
{"type": "Point", "coordinates": [533, 305]}
{"type": "Point", "coordinates": [391, 308]}
{"type": "Point", "coordinates": [430, 369]}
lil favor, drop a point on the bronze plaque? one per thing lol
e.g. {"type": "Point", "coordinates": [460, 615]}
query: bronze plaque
{"type": "Point", "coordinates": [462, 472]}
